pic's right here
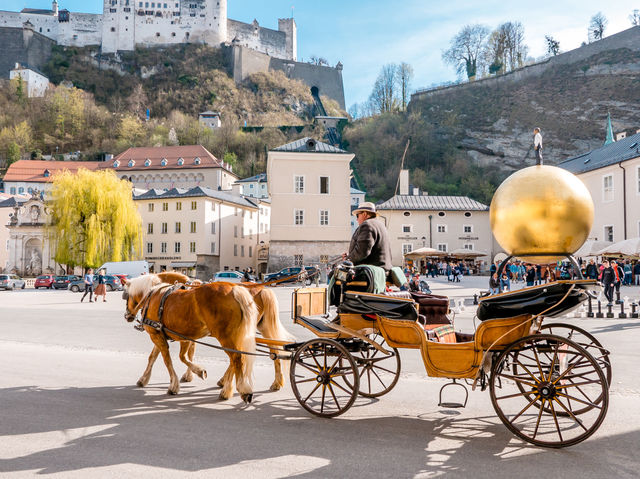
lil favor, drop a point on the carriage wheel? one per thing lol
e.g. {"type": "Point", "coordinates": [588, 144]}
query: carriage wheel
{"type": "Point", "coordinates": [554, 375]}
{"type": "Point", "coordinates": [584, 339]}
{"type": "Point", "coordinates": [379, 373]}
{"type": "Point", "coordinates": [324, 377]}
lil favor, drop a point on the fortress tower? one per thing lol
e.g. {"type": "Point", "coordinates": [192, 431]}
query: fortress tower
{"type": "Point", "coordinates": [288, 26]}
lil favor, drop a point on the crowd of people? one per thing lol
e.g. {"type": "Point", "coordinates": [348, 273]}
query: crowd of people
{"type": "Point", "coordinates": [611, 274]}
{"type": "Point", "coordinates": [453, 270]}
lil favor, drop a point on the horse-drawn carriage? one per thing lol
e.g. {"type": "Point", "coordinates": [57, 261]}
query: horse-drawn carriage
{"type": "Point", "coordinates": [548, 383]}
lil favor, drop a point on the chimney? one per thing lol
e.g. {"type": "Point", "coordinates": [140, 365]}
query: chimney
{"type": "Point", "coordinates": [404, 182]}
{"type": "Point", "coordinates": [416, 191]}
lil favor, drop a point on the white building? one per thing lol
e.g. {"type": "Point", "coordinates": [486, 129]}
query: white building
{"type": "Point", "coordinates": [210, 119]}
{"type": "Point", "coordinates": [36, 83]}
{"type": "Point", "coordinates": [611, 173]}
{"type": "Point", "coordinates": [201, 231]}
{"type": "Point", "coordinates": [357, 197]}
{"type": "Point", "coordinates": [310, 200]}
{"type": "Point", "coordinates": [27, 176]}
{"type": "Point", "coordinates": [125, 24]}
{"type": "Point", "coordinates": [254, 186]}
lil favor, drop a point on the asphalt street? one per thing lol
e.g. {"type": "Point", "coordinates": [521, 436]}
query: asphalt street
{"type": "Point", "coordinates": [69, 407]}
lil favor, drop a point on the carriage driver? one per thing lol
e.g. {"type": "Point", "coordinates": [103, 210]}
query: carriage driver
{"type": "Point", "coordinates": [370, 242]}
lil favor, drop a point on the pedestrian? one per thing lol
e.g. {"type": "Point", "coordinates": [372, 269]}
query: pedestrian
{"type": "Point", "coordinates": [101, 288]}
{"type": "Point", "coordinates": [627, 273]}
{"type": "Point", "coordinates": [494, 285]}
{"type": "Point", "coordinates": [618, 274]}
{"type": "Point", "coordinates": [592, 270]}
{"type": "Point", "coordinates": [608, 279]}
{"type": "Point", "coordinates": [505, 282]}
{"type": "Point", "coordinates": [537, 145]}
{"type": "Point", "coordinates": [538, 274]}
{"type": "Point", "coordinates": [530, 275]}
{"type": "Point", "coordinates": [88, 285]}
{"type": "Point", "coordinates": [636, 273]}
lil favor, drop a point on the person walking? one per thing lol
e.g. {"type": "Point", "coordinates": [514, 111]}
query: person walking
{"type": "Point", "coordinates": [618, 275]}
{"type": "Point", "coordinates": [608, 279]}
{"type": "Point", "coordinates": [636, 273]}
{"type": "Point", "coordinates": [537, 145]}
{"type": "Point", "coordinates": [530, 275]}
{"type": "Point", "coordinates": [88, 285]}
{"type": "Point", "coordinates": [101, 288]}
{"type": "Point", "coordinates": [627, 274]}
{"type": "Point", "coordinates": [592, 270]}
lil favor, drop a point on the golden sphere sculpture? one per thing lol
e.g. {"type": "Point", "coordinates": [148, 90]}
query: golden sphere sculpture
{"type": "Point", "coordinates": [542, 213]}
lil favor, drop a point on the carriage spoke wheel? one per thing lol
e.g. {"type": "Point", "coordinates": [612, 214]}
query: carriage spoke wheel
{"type": "Point", "coordinates": [324, 377]}
{"type": "Point", "coordinates": [379, 372]}
{"type": "Point", "coordinates": [539, 382]}
{"type": "Point", "coordinates": [584, 339]}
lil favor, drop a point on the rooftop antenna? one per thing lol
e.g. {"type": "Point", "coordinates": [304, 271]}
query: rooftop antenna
{"type": "Point", "coordinates": [402, 165]}
{"type": "Point", "coordinates": [292, 7]}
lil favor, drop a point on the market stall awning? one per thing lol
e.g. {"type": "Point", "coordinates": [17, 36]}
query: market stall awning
{"type": "Point", "coordinates": [466, 253]}
{"type": "Point", "coordinates": [424, 252]}
{"type": "Point", "coordinates": [628, 247]}
{"type": "Point", "coordinates": [591, 248]}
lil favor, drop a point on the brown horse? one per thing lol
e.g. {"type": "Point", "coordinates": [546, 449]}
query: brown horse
{"type": "Point", "coordinates": [269, 326]}
{"type": "Point", "coordinates": [217, 309]}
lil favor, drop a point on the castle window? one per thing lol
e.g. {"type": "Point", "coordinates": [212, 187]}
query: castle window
{"type": "Point", "coordinates": [116, 164]}
{"type": "Point", "coordinates": [157, 34]}
{"type": "Point", "coordinates": [140, 4]}
{"type": "Point", "coordinates": [196, 161]}
{"type": "Point", "coordinates": [131, 163]}
{"type": "Point", "coordinates": [163, 162]}
{"type": "Point", "coordinates": [173, 34]}
{"type": "Point", "coordinates": [47, 173]}
{"type": "Point", "coordinates": [113, 29]}
{"type": "Point", "coordinates": [180, 161]}
{"type": "Point", "coordinates": [147, 162]}
{"type": "Point", "coordinates": [146, 4]}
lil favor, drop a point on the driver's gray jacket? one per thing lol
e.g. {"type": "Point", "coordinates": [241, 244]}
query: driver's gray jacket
{"type": "Point", "coordinates": [370, 245]}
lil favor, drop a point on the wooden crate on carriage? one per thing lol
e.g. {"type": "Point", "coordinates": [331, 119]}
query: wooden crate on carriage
{"type": "Point", "coordinates": [308, 302]}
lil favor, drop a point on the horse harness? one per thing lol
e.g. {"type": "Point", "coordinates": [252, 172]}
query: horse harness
{"type": "Point", "coordinates": [160, 327]}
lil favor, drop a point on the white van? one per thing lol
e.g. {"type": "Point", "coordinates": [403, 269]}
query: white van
{"type": "Point", "coordinates": [131, 268]}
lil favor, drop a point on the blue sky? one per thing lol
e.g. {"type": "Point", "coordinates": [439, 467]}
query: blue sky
{"type": "Point", "coordinates": [364, 35]}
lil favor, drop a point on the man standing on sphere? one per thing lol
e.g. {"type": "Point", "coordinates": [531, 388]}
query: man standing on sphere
{"type": "Point", "coordinates": [370, 242]}
{"type": "Point", "coordinates": [537, 145]}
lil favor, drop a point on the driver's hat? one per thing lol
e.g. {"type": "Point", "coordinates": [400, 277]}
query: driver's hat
{"type": "Point", "coordinates": [366, 206]}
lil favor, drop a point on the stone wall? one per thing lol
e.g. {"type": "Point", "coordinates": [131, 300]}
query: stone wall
{"type": "Point", "coordinates": [328, 80]}
{"type": "Point", "coordinates": [281, 253]}
{"type": "Point", "coordinates": [629, 38]}
{"type": "Point", "coordinates": [23, 46]}
{"type": "Point", "coordinates": [264, 40]}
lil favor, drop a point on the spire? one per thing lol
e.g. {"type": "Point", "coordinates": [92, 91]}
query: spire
{"type": "Point", "coordinates": [609, 139]}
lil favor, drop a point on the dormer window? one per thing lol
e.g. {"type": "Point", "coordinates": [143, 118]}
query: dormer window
{"type": "Point", "coordinates": [180, 161]}
{"type": "Point", "coordinates": [116, 164]}
{"type": "Point", "coordinates": [196, 161]}
{"type": "Point", "coordinates": [131, 163]}
{"type": "Point", "coordinates": [47, 173]}
{"type": "Point", "coordinates": [163, 162]}
{"type": "Point", "coordinates": [147, 162]}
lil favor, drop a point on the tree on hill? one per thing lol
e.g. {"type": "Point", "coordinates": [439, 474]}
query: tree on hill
{"type": "Point", "coordinates": [466, 48]}
{"type": "Point", "coordinates": [597, 26]}
{"type": "Point", "coordinates": [94, 219]}
{"type": "Point", "coordinates": [634, 18]}
{"type": "Point", "coordinates": [404, 73]}
{"type": "Point", "coordinates": [553, 46]}
{"type": "Point", "coordinates": [384, 96]}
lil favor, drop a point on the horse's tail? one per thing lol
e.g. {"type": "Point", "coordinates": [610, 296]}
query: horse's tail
{"type": "Point", "coordinates": [248, 331]}
{"type": "Point", "coordinates": [270, 326]}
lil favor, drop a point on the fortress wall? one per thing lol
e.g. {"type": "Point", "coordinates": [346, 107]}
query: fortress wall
{"type": "Point", "coordinates": [10, 19]}
{"type": "Point", "coordinates": [264, 40]}
{"type": "Point", "coordinates": [328, 80]}
{"type": "Point", "coordinates": [23, 46]}
{"type": "Point", "coordinates": [82, 29]}
{"type": "Point", "coordinates": [629, 38]}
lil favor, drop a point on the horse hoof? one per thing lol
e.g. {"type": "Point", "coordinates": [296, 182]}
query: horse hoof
{"type": "Point", "coordinates": [140, 384]}
{"type": "Point", "coordinates": [224, 397]}
{"type": "Point", "coordinates": [203, 374]}
{"type": "Point", "coordinates": [275, 387]}
{"type": "Point", "coordinates": [247, 398]}
{"type": "Point", "coordinates": [171, 392]}
{"type": "Point", "coordinates": [220, 383]}
{"type": "Point", "coordinates": [186, 379]}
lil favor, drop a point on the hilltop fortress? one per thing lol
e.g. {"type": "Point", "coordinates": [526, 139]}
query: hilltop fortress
{"type": "Point", "coordinates": [126, 24]}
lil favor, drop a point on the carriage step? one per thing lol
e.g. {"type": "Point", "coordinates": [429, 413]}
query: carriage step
{"type": "Point", "coordinates": [450, 404]}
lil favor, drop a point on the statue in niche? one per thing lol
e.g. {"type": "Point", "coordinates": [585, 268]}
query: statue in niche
{"type": "Point", "coordinates": [34, 213]}
{"type": "Point", "coordinates": [35, 263]}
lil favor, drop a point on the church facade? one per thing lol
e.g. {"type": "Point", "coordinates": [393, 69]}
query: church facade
{"type": "Point", "coordinates": [126, 24]}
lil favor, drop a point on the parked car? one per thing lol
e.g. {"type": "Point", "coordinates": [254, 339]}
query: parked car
{"type": "Point", "coordinates": [131, 268]}
{"type": "Point", "coordinates": [112, 283]}
{"type": "Point", "coordinates": [229, 276]}
{"type": "Point", "coordinates": [62, 282]}
{"type": "Point", "coordinates": [123, 277]}
{"type": "Point", "coordinates": [44, 281]}
{"type": "Point", "coordinates": [291, 273]}
{"type": "Point", "coordinates": [11, 281]}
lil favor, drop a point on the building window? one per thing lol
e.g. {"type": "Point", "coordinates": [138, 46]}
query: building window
{"type": "Point", "coordinates": [150, 229]}
{"type": "Point", "coordinates": [194, 205]}
{"type": "Point", "coordinates": [469, 246]}
{"type": "Point", "coordinates": [406, 228]}
{"type": "Point", "coordinates": [213, 248]}
{"type": "Point", "coordinates": [608, 233]}
{"type": "Point", "coordinates": [407, 248]}
{"type": "Point", "coordinates": [178, 227]}
{"type": "Point", "coordinates": [165, 206]}
{"type": "Point", "coordinates": [163, 228]}
{"type": "Point", "coordinates": [163, 247]}
{"type": "Point", "coordinates": [149, 248]}
{"type": "Point", "coordinates": [235, 250]}
{"type": "Point", "coordinates": [193, 227]}
{"type": "Point", "coordinates": [324, 217]}
{"type": "Point", "coordinates": [298, 184]}
{"type": "Point", "coordinates": [324, 185]}
{"type": "Point", "coordinates": [235, 231]}
{"type": "Point", "coordinates": [13, 190]}
{"type": "Point", "coordinates": [242, 250]}
{"type": "Point", "coordinates": [607, 188]}
{"type": "Point", "coordinates": [442, 228]}
{"type": "Point", "coordinates": [192, 247]}
{"type": "Point", "coordinates": [150, 207]}
{"type": "Point", "coordinates": [213, 206]}
{"type": "Point", "coordinates": [467, 214]}
{"type": "Point", "coordinates": [213, 228]}
{"type": "Point", "coordinates": [467, 228]}
{"type": "Point", "coordinates": [298, 217]}
{"type": "Point", "coordinates": [441, 214]}
{"type": "Point", "coordinates": [179, 206]}
{"type": "Point", "coordinates": [406, 213]}
{"type": "Point", "coordinates": [638, 179]}
{"type": "Point", "coordinates": [297, 260]}
{"type": "Point", "coordinates": [250, 251]}
{"type": "Point", "coordinates": [442, 247]}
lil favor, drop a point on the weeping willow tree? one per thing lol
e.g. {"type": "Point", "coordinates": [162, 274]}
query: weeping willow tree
{"type": "Point", "coordinates": [94, 219]}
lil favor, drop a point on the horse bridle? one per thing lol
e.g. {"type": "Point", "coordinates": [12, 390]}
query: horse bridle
{"type": "Point", "coordinates": [131, 315]}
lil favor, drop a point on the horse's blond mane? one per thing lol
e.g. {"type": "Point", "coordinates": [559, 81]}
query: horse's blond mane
{"type": "Point", "coordinates": [142, 284]}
